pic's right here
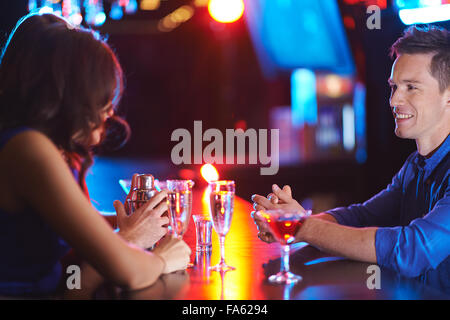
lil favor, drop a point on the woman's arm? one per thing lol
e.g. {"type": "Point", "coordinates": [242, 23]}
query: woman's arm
{"type": "Point", "coordinates": [40, 177]}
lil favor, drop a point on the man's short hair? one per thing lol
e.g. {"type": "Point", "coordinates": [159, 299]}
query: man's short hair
{"type": "Point", "coordinates": [428, 39]}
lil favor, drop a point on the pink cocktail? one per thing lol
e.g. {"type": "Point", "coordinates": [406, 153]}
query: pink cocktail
{"type": "Point", "coordinates": [284, 225]}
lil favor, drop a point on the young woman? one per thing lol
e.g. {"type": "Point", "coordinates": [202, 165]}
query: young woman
{"type": "Point", "coordinates": [59, 89]}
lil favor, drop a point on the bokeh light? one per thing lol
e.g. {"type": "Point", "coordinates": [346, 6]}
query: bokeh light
{"type": "Point", "coordinates": [209, 172]}
{"type": "Point", "coordinates": [226, 11]}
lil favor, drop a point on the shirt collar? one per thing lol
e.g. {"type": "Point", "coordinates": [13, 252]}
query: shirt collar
{"type": "Point", "coordinates": [429, 164]}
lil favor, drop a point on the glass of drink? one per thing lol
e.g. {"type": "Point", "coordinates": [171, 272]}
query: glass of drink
{"type": "Point", "coordinates": [221, 204]}
{"type": "Point", "coordinates": [203, 230]}
{"type": "Point", "coordinates": [284, 224]}
{"type": "Point", "coordinates": [179, 201]}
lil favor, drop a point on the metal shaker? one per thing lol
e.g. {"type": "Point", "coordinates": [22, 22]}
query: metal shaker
{"type": "Point", "coordinates": [142, 190]}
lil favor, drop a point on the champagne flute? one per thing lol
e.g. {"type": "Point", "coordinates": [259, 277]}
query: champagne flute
{"type": "Point", "coordinates": [284, 225]}
{"type": "Point", "coordinates": [221, 204]}
{"type": "Point", "coordinates": [179, 201]}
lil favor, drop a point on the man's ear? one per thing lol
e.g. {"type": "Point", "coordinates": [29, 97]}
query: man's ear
{"type": "Point", "coordinates": [447, 97]}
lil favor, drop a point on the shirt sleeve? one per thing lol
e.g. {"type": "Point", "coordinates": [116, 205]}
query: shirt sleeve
{"type": "Point", "coordinates": [381, 210]}
{"type": "Point", "coordinates": [421, 246]}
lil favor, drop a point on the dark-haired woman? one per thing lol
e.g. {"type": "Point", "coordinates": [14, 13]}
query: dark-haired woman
{"type": "Point", "coordinates": [59, 91]}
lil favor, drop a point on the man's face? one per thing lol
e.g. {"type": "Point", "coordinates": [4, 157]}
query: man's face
{"type": "Point", "coordinates": [419, 109]}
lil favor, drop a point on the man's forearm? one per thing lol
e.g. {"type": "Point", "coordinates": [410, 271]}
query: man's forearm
{"type": "Point", "coordinates": [353, 243]}
{"type": "Point", "coordinates": [325, 216]}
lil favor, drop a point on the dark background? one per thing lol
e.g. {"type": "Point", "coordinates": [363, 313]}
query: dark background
{"type": "Point", "coordinates": [204, 71]}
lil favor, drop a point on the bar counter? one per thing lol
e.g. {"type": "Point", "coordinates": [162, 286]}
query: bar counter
{"type": "Point", "coordinates": [324, 276]}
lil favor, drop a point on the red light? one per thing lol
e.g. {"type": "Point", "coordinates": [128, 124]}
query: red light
{"type": "Point", "coordinates": [241, 124]}
{"type": "Point", "coordinates": [187, 174]}
{"type": "Point", "coordinates": [381, 3]}
{"type": "Point", "coordinates": [349, 22]}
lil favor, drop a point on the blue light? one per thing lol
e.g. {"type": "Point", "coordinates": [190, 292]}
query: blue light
{"type": "Point", "coordinates": [299, 34]}
{"type": "Point", "coordinates": [425, 14]}
{"type": "Point", "coordinates": [116, 12]}
{"type": "Point", "coordinates": [361, 155]}
{"type": "Point", "coordinates": [131, 7]}
{"type": "Point", "coordinates": [32, 5]}
{"type": "Point", "coordinates": [429, 3]}
{"type": "Point", "coordinates": [324, 259]}
{"type": "Point", "coordinates": [411, 4]}
{"type": "Point", "coordinates": [45, 9]}
{"type": "Point", "coordinates": [100, 18]}
{"type": "Point", "coordinates": [303, 97]}
{"type": "Point", "coordinates": [348, 127]}
{"type": "Point", "coordinates": [359, 105]}
{"type": "Point", "coordinates": [400, 3]}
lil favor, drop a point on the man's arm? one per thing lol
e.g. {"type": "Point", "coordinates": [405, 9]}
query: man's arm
{"type": "Point", "coordinates": [354, 243]}
{"type": "Point", "coordinates": [320, 230]}
{"type": "Point", "coordinates": [421, 246]}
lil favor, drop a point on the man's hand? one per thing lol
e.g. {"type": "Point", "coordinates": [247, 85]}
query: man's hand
{"type": "Point", "coordinates": [264, 233]}
{"type": "Point", "coordinates": [279, 199]}
{"type": "Point", "coordinates": [145, 226]}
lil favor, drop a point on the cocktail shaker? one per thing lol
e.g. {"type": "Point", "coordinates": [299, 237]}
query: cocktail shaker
{"type": "Point", "coordinates": [142, 190]}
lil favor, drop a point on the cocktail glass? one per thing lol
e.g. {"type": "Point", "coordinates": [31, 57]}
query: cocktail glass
{"type": "Point", "coordinates": [284, 225]}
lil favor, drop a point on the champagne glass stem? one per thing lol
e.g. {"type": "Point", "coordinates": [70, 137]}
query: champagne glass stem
{"type": "Point", "coordinates": [285, 258]}
{"type": "Point", "coordinates": [222, 249]}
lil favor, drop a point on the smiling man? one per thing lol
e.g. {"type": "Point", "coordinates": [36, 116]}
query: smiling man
{"type": "Point", "coordinates": [405, 227]}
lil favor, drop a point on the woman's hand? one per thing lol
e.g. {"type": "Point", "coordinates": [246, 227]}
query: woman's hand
{"type": "Point", "coordinates": [174, 252]}
{"type": "Point", "coordinates": [147, 225]}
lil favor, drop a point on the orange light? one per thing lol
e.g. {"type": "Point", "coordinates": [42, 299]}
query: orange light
{"type": "Point", "coordinates": [209, 172]}
{"type": "Point", "coordinates": [226, 11]}
{"type": "Point", "coordinates": [150, 4]}
{"type": "Point", "coordinates": [201, 3]}
{"type": "Point", "coordinates": [288, 224]}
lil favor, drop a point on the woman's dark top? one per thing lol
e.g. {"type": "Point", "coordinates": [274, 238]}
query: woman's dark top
{"type": "Point", "coordinates": [30, 251]}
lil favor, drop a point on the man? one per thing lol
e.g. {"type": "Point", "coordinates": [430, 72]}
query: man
{"type": "Point", "coordinates": [405, 227]}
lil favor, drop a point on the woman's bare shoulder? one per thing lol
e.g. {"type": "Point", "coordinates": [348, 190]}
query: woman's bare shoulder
{"type": "Point", "coordinates": [31, 154]}
{"type": "Point", "coordinates": [25, 160]}
{"type": "Point", "coordinates": [26, 138]}
{"type": "Point", "coordinates": [28, 145]}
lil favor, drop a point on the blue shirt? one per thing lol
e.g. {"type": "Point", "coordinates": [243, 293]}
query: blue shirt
{"type": "Point", "coordinates": [413, 216]}
{"type": "Point", "coordinates": [30, 251]}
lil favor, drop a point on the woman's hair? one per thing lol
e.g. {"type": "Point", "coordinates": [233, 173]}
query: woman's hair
{"type": "Point", "coordinates": [57, 78]}
{"type": "Point", "coordinates": [428, 39]}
